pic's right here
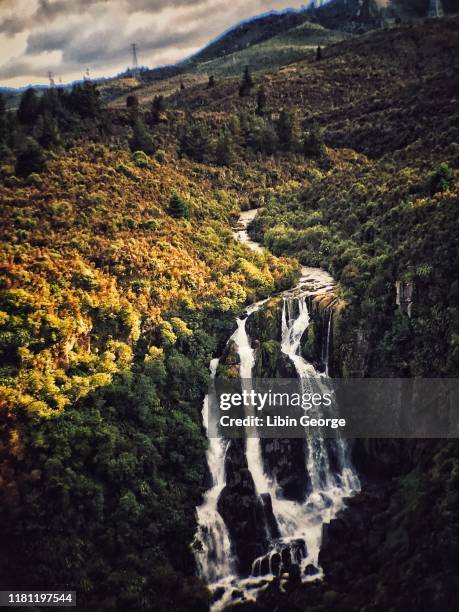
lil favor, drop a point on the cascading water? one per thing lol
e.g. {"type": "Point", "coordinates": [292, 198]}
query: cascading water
{"type": "Point", "coordinates": [215, 561]}
{"type": "Point", "coordinates": [299, 524]}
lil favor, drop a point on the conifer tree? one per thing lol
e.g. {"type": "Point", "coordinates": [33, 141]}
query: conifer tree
{"type": "Point", "coordinates": [28, 107]}
{"type": "Point", "coordinates": [224, 151]}
{"type": "Point", "coordinates": [132, 103]}
{"type": "Point", "coordinates": [158, 106]}
{"type": "Point", "coordinates": [261, 101]}
{"type": "Point", "coordinates": [3, 119]}
{"type": "Point", "coordinates": [211, 82]}
{"type": "Point", "coordinates": [141, 139]}
{"type": "Point", "coordinates": [195, 141]}
{"type": "Point", "coordinates": [288, 130]}
{"type": "Point", "coordinates": [246, 83]}
{"type": "Point", "coordinates": [30, 159]}
{"type": "Point", "coordinates": [313, 142]}
{"type": "Point", "coordinates": [318, 53]}
{"type": "Point", "coordinates": [48, 131]}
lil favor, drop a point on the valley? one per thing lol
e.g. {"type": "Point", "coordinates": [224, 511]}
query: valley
{"type": "Point", "coordinates": [294, 216]}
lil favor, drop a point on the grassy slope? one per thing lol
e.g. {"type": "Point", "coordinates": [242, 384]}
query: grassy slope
{"type": "Point", "coordinates": [372, 93]}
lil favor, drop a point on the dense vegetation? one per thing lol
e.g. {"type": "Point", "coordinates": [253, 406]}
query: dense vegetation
{"type": "Point", "coordinates": [120, 280]}
{"type": "Point", "coordinates": [373, 224]}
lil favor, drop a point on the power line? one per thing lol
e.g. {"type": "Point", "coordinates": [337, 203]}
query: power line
{"type": "Point", "coordinates": [135, 62]}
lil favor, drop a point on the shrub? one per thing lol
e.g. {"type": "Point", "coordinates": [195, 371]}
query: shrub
{"type": "Point", "coordinates": [141, 139]}
{"type": "Point", "coordinates": [178, 207]}
{"type": "Point", "coordinates": [441, 179]}
{"type": "Point", "coordinates": [30, 159]}
{"type": "Point", "coordinates": [140, 159]}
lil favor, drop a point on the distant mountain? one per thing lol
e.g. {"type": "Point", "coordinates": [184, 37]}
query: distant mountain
{"type": "Point", "coordinates": [351, 15]}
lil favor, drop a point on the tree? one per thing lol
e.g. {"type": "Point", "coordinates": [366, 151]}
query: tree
{"type": "Point", "coordinates": [158, 106]}
{"type": "Point", "coordinates": [261, 135]}
{"type": "Point", "coordinates": [195, 142]}
{"type": "Point", "coordinates": [211, 82]}
{"type": "Point", "coordinates": [141, 139]}
{"type": "Point", "coordinates": [261, 101]}
{"type": "Point", "coordinates": [3, 119]}
{"type": "Point", "coordinates": [132, 103]}
{"type": "Point", "coordinates": [28, 107]}
{"type": "Point", "coordinates": [84, 99]}
{"type": "Point", "coordinates": [313, 142]}
{"type": "Point", "coordinates": [178, 207]}
{"type": "Point", "coordinates": [182, 85]}
{"type": "Point", "coordinates": [288, 130]}
{"type": "Point", "coordinates": [30, 159]}
{"type": "Point", "coordinates": [318, 53]}
{"type": "Point", "coordinates": [48, 131]}
{"type": "Point", "coordinates": [224, 151]}
{"type": "Point", "coordinates": [246, 83]}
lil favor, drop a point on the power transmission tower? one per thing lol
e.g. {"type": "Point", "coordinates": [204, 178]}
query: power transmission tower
{"type": "Point", "coordinates": [135, 62]}
{"type": "Point", "coordinates": [51, 79]}
{"type": "Point", "coordinates": [435, 9]}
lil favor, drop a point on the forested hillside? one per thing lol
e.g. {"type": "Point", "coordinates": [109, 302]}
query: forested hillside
{"type": "Point", "coordinates": [120, 280]}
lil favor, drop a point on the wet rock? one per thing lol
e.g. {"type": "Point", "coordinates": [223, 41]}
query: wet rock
{"type": "Point", "coordinates": [265, 566]}
{"type": "Point", "coordinates": [248, 516]}
{"type": "Point", "coordinates": [294, 574]}
{"type": "Point", "coordinates": [285, 461]}
{"type": "Point", "coordinates": [310, 570]}
{"type": "Point", "coordinates": [286, 558]}
{"type": "Point", "coordinates": [217, 594]}
{"type": "Point", "coordinates": [356, 525]}
{"type": "Point", "coordinates": [299, 550]}
{"type": "Point", "coordinates": [271, 522]}
{"type": "Point", "coordinates": [275, 564]}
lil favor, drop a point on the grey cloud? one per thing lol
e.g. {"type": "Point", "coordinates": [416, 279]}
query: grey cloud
{"type": "Point", "coordinates": [18, 68]}
{"type": "Point", "coordinates": [98, 49]}
{"type": "Point", "coordinates": [46, 41]}
{"type": "Point", "coordinates": [155, 6]}
{"type": "Point", "coordinates": [94, 33]}
{"type": "Point", "coordinates": [46, 12]}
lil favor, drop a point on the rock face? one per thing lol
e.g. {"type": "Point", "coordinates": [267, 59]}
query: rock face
{"type": "Point", "coordinates": [285, 460]}
{"type": "Point", "coordinates": [360, 525]}
{"type": "Point", "coordinates": [404, 297]}
{"type": "Point", "coordinates": [248, 516]}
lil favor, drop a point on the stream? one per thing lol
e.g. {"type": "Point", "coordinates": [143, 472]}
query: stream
{"type": "Point", "coordinates": [289, 530]}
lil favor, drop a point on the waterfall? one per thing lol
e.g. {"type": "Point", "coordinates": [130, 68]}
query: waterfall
{"type": "Point", "coordinates": [214, 559]}
{"type": "Point", "coordinates": [247, 361]}
{"type": "Point", "coordinates": [299, 524]}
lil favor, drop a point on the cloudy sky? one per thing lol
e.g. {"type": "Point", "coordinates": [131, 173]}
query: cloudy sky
{"type": "Point", "coordinates": [68, 36]}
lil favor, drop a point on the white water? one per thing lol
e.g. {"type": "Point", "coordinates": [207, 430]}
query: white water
{"type": "Point", "coordinates": [215, 561]}
{"type": "Point", "coordinates": [296, 521]}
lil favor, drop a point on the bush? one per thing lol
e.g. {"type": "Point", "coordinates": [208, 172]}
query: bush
{"type": "Point", "coordinates": [441, 179]}
{"type": "Point", "coordinates": [140, 159]}
{"type": "Point", "coordinates": [178, 207]}
{"type": "Point", "coordinates": [141, 139]}
{"type": "Point", "coordinates": [30, 159]}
